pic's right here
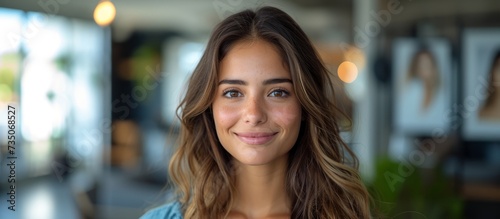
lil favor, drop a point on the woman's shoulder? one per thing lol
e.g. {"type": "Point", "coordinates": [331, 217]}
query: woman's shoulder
{"type": "Point", "coordinates": [167, 211]}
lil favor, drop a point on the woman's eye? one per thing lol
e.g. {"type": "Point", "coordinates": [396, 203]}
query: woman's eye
{"type": "Point", "coordinates": [232, 94]}
{"type": "Point", "coordinates": [279, 93]}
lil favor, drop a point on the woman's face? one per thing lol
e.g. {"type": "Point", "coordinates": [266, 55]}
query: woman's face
{"type": "Point", "coordinates": [425, 67]}
{"type": "Point", "coordinates": [256, 112]}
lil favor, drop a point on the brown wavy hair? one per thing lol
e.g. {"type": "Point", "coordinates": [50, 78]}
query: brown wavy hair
{"type": "Point", "coordinates": [492, 84]}
{"type": "Point", "coordinates": [322, 179]}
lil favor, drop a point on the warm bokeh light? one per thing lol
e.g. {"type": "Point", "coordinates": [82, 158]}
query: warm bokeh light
{"type": "Point", "coordinates": [104, 13]}
{"type": "Point", "coordinates": [355, 55]}
{"type": "Point", "coordinates": [347, 71]}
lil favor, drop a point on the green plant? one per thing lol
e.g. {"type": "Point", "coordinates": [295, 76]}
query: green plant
{"type": "Point", "coordinates": [402, 191]}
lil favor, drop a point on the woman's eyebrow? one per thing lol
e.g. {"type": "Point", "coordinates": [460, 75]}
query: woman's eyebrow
{"type": "Point", "coordinates": [277, 81]}
{"type": "Point", "coordinates": [229, 81]}
{"type": "Point", "coordinates": [266, 82]}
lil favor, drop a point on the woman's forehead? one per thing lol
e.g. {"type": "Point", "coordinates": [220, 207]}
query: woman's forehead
{"type": "Point", "coordinates": [251, 59]}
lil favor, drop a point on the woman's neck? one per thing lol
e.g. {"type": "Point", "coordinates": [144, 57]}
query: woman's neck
{"type": "Point", "coordinates": [261, 191]}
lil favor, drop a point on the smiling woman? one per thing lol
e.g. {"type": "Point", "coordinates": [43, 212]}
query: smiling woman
{"type": "Point", "coordinates": [260, 134]}
{"type": "Point", "coordinates": [256, 112]}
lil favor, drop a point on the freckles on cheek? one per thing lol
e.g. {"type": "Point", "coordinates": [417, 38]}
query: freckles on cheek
{"type": "Point", "coordinates": [288, 115]}
{"type": "Point", "coordinates": [225, 115]}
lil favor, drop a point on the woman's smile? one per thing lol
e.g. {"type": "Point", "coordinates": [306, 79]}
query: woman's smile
{"type": "Point", "coordinates": [256, 138]}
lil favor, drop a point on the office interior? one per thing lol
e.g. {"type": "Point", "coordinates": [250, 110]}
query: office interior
{"type": "Point", "coordinates": [95, 104]}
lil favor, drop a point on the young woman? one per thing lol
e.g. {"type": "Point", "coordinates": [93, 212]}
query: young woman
{"type": "Point", "coordinates": [260, 134]}
{"type": "Point", "coordinates": [424, 70]}
{"type": "Point", "coordinates": [490, 110]}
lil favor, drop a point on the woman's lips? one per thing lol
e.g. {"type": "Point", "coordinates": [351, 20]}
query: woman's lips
{"type": "Point", "coordinates": [256, 138]}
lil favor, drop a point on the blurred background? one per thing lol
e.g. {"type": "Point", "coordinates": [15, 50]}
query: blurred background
{"type": "Point", "coordinates": [95, 89]}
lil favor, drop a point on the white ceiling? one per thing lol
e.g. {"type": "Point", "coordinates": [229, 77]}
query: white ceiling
{"type": "Point", "coordinates": [190, 16]}
{"type": "Point", "coordinates": [321, 19]}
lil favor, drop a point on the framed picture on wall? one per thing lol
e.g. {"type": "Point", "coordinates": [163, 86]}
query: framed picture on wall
{"type": "Point", "coordinates": [421, 86]}
{"type": "Point", "coordinates": [481, 96]}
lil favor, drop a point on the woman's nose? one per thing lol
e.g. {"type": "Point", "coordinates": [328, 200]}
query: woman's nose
{"type": "Point", "coordinates": [255, 112]}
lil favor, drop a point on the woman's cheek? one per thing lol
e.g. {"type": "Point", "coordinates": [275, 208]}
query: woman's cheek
{"type": "Point", "coordinates": [288, 115]}
{"type": "Point", "coordinates": [226, 115]}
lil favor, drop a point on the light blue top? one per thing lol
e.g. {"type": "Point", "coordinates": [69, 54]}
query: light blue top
{"type": "Point", "coordinates": [168, 211]}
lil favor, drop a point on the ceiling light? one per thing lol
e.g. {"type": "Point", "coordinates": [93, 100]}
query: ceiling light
{"type": "Point", "coordinates": [104, 13]}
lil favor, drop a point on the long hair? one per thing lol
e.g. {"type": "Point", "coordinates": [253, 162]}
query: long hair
{"type": "Point", "coordinates": [492, 84]}
{"type": "Point", "coordinates": [430, 89]}
{"type": "Point", "coordinates": [322, 179]}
